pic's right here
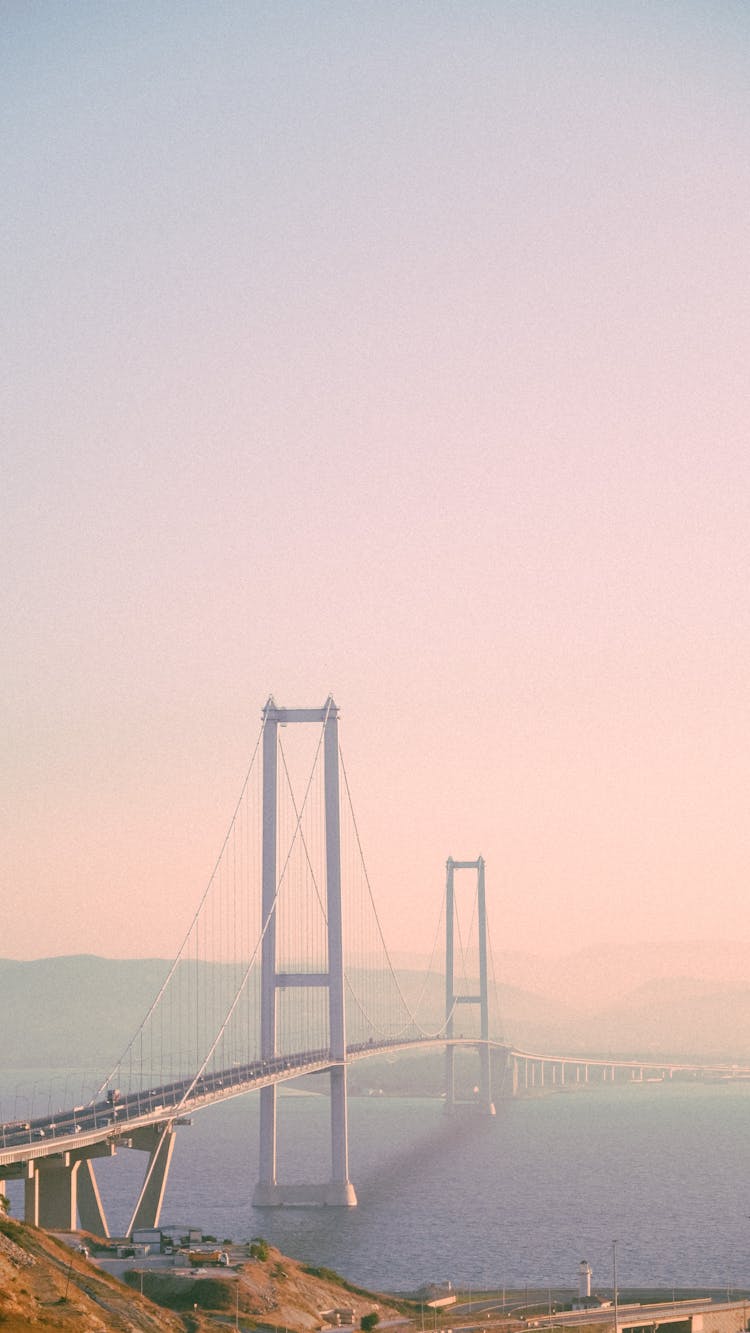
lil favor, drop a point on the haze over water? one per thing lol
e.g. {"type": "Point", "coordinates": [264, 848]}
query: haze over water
{"type": "Point", "coordinates": [517, 1199]}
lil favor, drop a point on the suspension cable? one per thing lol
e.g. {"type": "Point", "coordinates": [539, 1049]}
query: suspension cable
{"type": "Point", "coordinates": [267, 923]}
{"type": "Point", "coordinates": [402, 997]}
{"type": "Point", "coordinates": [191, 927]}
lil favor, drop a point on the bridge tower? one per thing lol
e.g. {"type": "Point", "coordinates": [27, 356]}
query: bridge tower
{"type": "Point", "coordinates": [339, 1190]}
{"type": "Point", "coordinates": [452, 1000]}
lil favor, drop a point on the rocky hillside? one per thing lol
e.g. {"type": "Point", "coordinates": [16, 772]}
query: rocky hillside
{"type": "Point", "coordinates": [271, 1289]}
{"type": "Point", "coordinates": [44, 1284]}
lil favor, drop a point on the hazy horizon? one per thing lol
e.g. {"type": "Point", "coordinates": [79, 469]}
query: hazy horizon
{"type": "Point", "coordinates": [397, 352]}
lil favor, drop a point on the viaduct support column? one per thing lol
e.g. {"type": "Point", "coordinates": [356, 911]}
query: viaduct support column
{"type": "Point", "coordinates": [158, 1141]}
{"type": "Point", "coordinates": [30, 1195]}
{"type": "Point", "coordinates": [61, 1189]}
{"type": "Point", "coordinates": [51, 1194]}
{"type": "Point", "coordinates": [90, 1209]}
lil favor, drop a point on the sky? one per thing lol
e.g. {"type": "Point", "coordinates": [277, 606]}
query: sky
{"type": "Point", "coordinates": [393, 351]}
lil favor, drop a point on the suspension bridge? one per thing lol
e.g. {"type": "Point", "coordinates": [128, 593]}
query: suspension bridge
{"type": "Point", "coordinates": [282, 972]}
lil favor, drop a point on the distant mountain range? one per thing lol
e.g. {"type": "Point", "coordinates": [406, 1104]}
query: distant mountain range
{"type": "Point", "coordinates": [656, 1000]}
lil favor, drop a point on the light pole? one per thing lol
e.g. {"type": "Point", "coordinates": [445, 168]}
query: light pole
{"type": "Point", "coordinates": [55, 1078]}
{"type": "Point", "coordinates": [614, 1282]}
{"type": "Point", "coordinates": [16, 1095]}
{"type": "Point", "coordinates": [34, 1087]}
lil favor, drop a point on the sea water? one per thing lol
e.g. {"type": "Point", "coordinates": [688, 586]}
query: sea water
{"type": "Point", "coordinates": [482, 1202]}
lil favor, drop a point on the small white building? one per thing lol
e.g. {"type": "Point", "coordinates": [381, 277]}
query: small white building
{"type": "Point", "coordinates": [584, 1300]}
{"type": "Point", "coordinates": [584, 1280]}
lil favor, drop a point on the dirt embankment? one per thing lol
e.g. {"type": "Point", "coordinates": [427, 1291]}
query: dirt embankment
{"type": "Point", "coordinates": [46, 1285]}
{"type": "Point", "coordinates": [272, 1290]}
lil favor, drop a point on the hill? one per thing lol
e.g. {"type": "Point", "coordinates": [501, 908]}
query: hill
{"type": "Point", "coordinates": [79, 1010]}
{"type": "Point", "coordinates": [689, 1000]}
{"type": "Point", "coordinates": [47, 1285]}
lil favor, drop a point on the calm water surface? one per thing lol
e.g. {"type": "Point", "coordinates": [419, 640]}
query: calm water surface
{"type": "Point", "coordinates": [522, 1198]}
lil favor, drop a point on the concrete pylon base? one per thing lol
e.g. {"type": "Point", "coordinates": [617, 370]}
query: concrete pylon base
{"type": "Point", "coordinates": [56, 1194]}
{"type": "Point", "coordinates": [479, 1108]}
{"type": "Point", "coordinates": [334, 1194]}
{"type": "Point", "coordinates": [341, 1196]}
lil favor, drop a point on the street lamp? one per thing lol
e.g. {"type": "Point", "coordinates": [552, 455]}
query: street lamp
{"type": "Point", "coordinates": [57, 1078]}
{"type": "Point", "coordinates": [34, 1087]}
{"type": "Point", "coordinates": [614, 1281]}
{"type": "Point", "coordinates": [16, 1095]}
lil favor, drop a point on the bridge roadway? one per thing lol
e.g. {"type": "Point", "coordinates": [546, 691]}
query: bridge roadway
{"type": "Point", "coordinates": [532, 1069]}
{"type": "Point", "coordinates": [43, 1136]}
{"type": "Point", "coordinates": [53, 1154]}
{"type": "Point", "coordinates": [700, 1314]}
{"type": "Point", "coordinates": [100, 1120]}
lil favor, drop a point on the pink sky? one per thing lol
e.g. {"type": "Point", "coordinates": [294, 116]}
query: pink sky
{"type": "Point", "coordinates": [396, 351]}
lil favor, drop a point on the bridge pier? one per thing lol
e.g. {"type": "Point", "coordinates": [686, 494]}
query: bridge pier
{"type": "Point", "coordinates": [50, 1193]}
{"type": "Point", "coordinates": [61, 1189]}
{"type": "Point", "coordinates": [158, 1142]}
{"type": "Point", "coordinates": [265, 1188]}
{"type": "Point", "coordinates": [90, 1209]}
